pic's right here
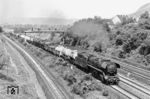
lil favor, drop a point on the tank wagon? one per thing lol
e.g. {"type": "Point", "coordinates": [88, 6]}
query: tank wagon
{"type": "Point", "coordinates": [103, 69]}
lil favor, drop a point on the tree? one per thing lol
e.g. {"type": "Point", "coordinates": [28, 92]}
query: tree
{"type": "Point", "coordinates": [148, 58]}
{"type": "Point", "coordinates": [1, 29]}
{"type": "Point", "coordinates": [127, 48]}
{"type": "Point", "coordinates": [121, 54]}
{"type": "Point", "coordinates": [3, 60]}
{"type": "Point", "coordinates": [97, 47]}
{"type": "Point", "coordinates": [144, 23]}
{"type": "Point", "coordinates": [144, 20]}
{"type": "Point", "coordinates": [119, 42]}
{"type": "Point", "coordinates": [142, 36]}
{"type": "Point", "coordinates": [125, 20]}
{"type": "Point", "coordinates": [145, 15]}
{"type": "Point", "coordinates": [144, 50]}
{"type": "Point", "coordinates": [70, 78]}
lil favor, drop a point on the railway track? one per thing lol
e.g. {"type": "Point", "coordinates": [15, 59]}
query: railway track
{"type": "Point", "coordinates": [138, 73]}
{"type": "Point", "coordinates": [124, 92]}
{"type": "Point", "coordinates": [131, 63]}
{"type": "Point", "coordinates": [131, 89]}
{"type": "Point", "coordinates": [50, 83]}
{"type": "Point", "coordinates": [138, 85]}
{"type": "Point", "coordinates": [130, 67]}
{"type": "Point", "coordinates": [136, 89]}
{"type": "Point", "coordinates": [141, 91]}
{"type": "Point", "coordinates": [129, 93]}
{"type": "Point", "coordinates": [136, 76]}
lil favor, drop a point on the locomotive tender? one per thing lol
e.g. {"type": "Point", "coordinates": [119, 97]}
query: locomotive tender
{"type": "Point", "coordinates": [103, 69]}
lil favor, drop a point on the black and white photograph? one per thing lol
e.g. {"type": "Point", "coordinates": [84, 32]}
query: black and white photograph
{"type": "Point", "coordinates": [74, 49]}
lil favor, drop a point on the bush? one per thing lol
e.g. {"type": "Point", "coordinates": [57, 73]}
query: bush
{"type": "Point", "coordinates": [51, 66]}
{"type": "Point", "coordinates": [142, 36]}
{"type": "Point", "coordinates": [121, 55]}
{"type": "Point", "coordinates": [145, 15]}
{"type": "Point", "coordinates": [144, 23]}
{"type": "Point", "coordinates": [21, 40]}
{"type": "Point", "coordinates": [144, 50]}
{"type": "Point", "coordinates": [1, 29]}
{"type": "Point", "coordinates": [148, 58]}
{"type": "Point", "coordinates": [77, 90]}
{"type": "Point", "coordinates": [80, 89]}
{"type": "Point", "coordinates": [85, 85]}
{"type": "Point", "coordinates": [3, 60]}
{"type": "Point", "coordinates": [105, 93]}
{"type": "Point", "coordinates": [119, 42]}
{"type": "Point", "coordinates": [127, 48]}
{"type": "Point", "coordinates": [97, 47]}
{"type": "Point", "coordinates": [38, 54]}
{"type": "Point", "coordinates": [5, 77]}
{"type": "Point", "coordinates": [87, 77]}
{"type": "Point", "coordinates": [70, 78]}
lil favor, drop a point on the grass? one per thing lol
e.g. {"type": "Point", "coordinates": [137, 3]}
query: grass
{"type": "Point", "coordinates": [70, 78]}
{"type": "Point", "coordinates": [4, 77]}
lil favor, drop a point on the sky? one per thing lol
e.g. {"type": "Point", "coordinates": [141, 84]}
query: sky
{"type": "Point", "coordinates": [72, 9]}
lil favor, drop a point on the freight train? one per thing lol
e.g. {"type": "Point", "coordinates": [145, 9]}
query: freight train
{"type": "Point", "coordinates": [103, 69]}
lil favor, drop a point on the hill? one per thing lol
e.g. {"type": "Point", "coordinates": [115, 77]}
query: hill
{"type": "Point", "coordinates": [39, 20]}
{"type": "Point", "coordinates": [141, 10]}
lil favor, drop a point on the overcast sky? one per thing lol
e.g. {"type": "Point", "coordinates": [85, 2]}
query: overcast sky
{"type": "Point", "coordinates": [68, 8]}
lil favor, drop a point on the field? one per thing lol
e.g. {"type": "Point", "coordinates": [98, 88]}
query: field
{"type": "Point", "coordinates": [15, 71]}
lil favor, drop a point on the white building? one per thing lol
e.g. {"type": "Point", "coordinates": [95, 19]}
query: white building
{"type": "Point", "coordinates": [116, 20]}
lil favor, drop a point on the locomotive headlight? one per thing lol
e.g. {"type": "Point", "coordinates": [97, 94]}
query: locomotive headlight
{"type": "Point", "coordinates": [106, 77]}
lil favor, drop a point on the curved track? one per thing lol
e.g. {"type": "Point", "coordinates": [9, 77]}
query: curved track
{"type": "Point", "coordinates": [130, 88]}
{"type": "Point", "coordinates": [48, 81]}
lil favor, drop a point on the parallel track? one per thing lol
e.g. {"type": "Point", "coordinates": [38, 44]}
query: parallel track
{"type": "Point", "coordinates": [124, 65]}
{"type": "Point", "coordinates": [136, 76]}
{"type": "Point", "coordinates": [135, 70]}
{"type": "Point", "coordinates": [135, 89]}
{"type": "Point", "coordinates": [124, 92]}
{"type": "Point", "coordinates": [132, 84]}
{"type": "Point", "coordinates": [138, 85]}
{"type": "Point", "coordinates": [57, 93]}
{"type": "Point", "coordinates": [141, 74]}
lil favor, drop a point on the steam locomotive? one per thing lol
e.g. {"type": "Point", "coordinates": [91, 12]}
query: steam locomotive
{"type": "Point", "coordinates": [103, 69]}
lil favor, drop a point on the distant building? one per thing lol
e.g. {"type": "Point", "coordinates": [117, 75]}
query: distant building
{"type": "Point", "coordinates": [116, 20]}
